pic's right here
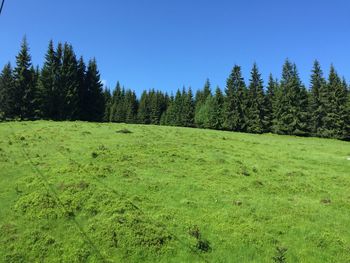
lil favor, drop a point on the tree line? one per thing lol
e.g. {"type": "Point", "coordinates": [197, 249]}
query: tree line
{"type": "Point", "coordinates": [66, 88]}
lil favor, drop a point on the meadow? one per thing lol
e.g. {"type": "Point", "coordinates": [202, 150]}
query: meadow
{"type": "Point", "coordinates": [103, 192]}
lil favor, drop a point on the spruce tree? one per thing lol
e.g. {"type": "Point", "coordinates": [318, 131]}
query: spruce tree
{"type": "Point", "coordinates": [117, 104]}
{"type": "Point", "coordinates": [178, 108]}
{"type": "Point", "coordinates": [143, 114]}
{"type": "Point", "coordinates": [7, 93]}
{"type": "Point", "coordinates": [169, 116]}
{"type": "Point", "coordinates": [334, 99]}
{"type": "Point", "coordinates": [96, 101]}
{"type": "Point", "coordinates": [216, 117]}
{"type": "Point", "coordinates": [83, 93]}
{"type": "Point", "coordinates": [292, 104]}
{"type": "Point", "coordinates": [270, 104]}
{"type": "Point", "coordinates": [235, 104]}
{"type": "Point", "coordinates": [317, 110]}
{"type": "Point", "coordinates": [59, 88]}
{"type": "Point", "coordinates": [131, 105]}
{"type": "Point", "coordinates": [256, 103]}
{"type": "Point", "coordinates": [25, 88]}
{"type": "Point", "coordinates": [108, 102]}
{"type": "Point", "coordinates": [69, 84]}
{"type": "Point", "coordinates": [188, 108]}
{"type": "Point", "coordinates": [156, 100]}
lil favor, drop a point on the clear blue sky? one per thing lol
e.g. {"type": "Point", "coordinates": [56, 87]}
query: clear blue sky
{"type": "Point", "coordinates": [166, 44]}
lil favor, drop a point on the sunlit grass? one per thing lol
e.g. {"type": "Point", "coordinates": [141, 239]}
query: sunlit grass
{"type": "Point", "coordinates": [88, 192]}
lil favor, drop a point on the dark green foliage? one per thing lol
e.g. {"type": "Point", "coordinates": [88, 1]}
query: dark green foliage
{"type": "Point", "coordinates": [108, 103]}
{"type": "Point", "coordinates": [280, 256]}
{"type": "Point", "coordinates": [69, 84]}
{"type": "Point", "coordinates": [143, 114]}
{"type": "Point", "coordinates": [96, 101]}
{"type": "Point", "coordinates": [270, 103]}
{"type": "Point", "coordinates": [117, 113]}
{"type": "Point", "coordinates": [235, 104]}
{"type": "Point", "coordinates": [174, 114]}
{"type": "Point", "coordinates": [256, 103]}
{"type": "Point", "coordinates": [82, 90]}
{"type": "Point", "coordinates": [25, 94]}
{"type": "Point", "coordinates": [131, 105]}
{"type": "Point", "coordinates": [157, 106]}
{"type": "Point", "coordinates": [334, 98]}
{"type": "Point", "coordinates": [202, 95]}
{"type": "Point", "coordinates": [291, 104]}
{"type": "Point", "coordinates": [317, 109]}
{"type": "Point", "coordinates": [188, 108]}
{"type": "Point", "coordinates": [65, 89]}
{"type": "Point", "coordinates": [7, 93]}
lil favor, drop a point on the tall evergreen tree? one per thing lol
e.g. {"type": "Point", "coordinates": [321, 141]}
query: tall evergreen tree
{"type": "Point", "coordinates": [131, 104]}
{"type": "Point", "coordinates": [143, 114]}
{"type": "Point", "coordinates": [256, 103]}
{"type": "Point", "coordinates": [216, 117]}
{"type": "Point", "coordinates": [69, 84]}
{"type": "Point", "coordinates": [108, 103]}
{"type": "Point", "coordinates": [7, 93]}
{"type": "Point", "coordinates": [25, 88]}
{"type": "Point", "coordinates": [95, 93]}
{"type": "Point", "coordinates": [292, 103]}
{"type": "Point", "coordinates": [334, 99]}
{"type": "Point", "coordinates": [317, 110]}
{"type": "Point", "coordinates": [188, 108]}
{"type": "Point", "coordinates": [270, 103]}
{"type": "Point", "coordinates": [83, 93]}
{"type": "Point", "coordinates": [117, 107]}
{"type": "Point", "coordinates": [48, 83]}
{"type": "Point", "coordinates": [235, 104]}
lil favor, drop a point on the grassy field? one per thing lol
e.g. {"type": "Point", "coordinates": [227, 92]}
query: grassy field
{"type": "Point", "coordinates": [88, 192]}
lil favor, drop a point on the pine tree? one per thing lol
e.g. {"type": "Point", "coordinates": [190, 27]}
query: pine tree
{"type": "Point", "coordinates": [169, 116]}
{"type": "Point", "coordinates": [292, 104]}
{"type": "Point", "coordinates": [256, 103]}
{"type": "Point", "coordinates": [108, 103]}
{"type": "Point", "coordinates": [156, 100]}
{"type": "Point", "coordinates": [143, 114]}
{"type": "Point", "coordinates": [235, 105]}
{"type": "Point", "coordinates": [188, 108]}
{"type": "Point", "coordinates": [25, 89]}
{"type": "Point", "coordinates": [7, 93]}
{"type": "Point", "coordinates": [95, 93]}
{"type": "Point", "coordinates": [59, 88]}
{"type": "Point", "coordinates": [178, 109]}
{"type": "Point", "coordinates": [270, 103]}
{"type": "Point", "coordinates": [201, 95]}
{"type": "Point", "coordinates": [317, 110]}
{"type": "Point", "coordinates": [69, 84]}
{"type": "Point", "coordinates": [131, 105]}
{"type": "Point", "coordinates": [334, 99]}
{"type": "Point", "coordinates": [217, 118]}
{"type": "Point", "coordinates": [117, 108]}
{"type": "Point", "coordinates": [83, 94]}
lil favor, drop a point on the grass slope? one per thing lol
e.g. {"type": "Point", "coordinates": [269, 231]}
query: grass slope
{"type": "Point", "coordinates": [83, 192]}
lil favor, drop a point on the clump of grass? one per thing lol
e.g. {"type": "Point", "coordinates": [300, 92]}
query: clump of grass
{"type": "Point", "coordinates": [245, 171]}
{"type": "Point", "coordinates": [280, 255]}
{"type": "Point", "coordinates": [194, 232]}
{"type": "Point", "coordinates": [125, 131]}
{"type": "Point", "coordinates": [38, 205]}
{"type": "Point", "coordinates": [202, 245]}
{"type": "Point", "coordinates": [326, 201]}
{"type": "Point", "coordinates": [94, 154]}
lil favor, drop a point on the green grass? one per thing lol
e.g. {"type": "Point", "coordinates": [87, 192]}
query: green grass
{"type": "Point", "coordinates": [88, 192]}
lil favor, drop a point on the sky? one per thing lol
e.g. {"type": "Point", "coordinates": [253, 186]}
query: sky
{"type": "Point", "coordinates": [168, 44]}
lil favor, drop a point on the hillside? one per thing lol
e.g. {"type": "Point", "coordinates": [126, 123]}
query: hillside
{"type": "Point", "coordinates": [95, 192]}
